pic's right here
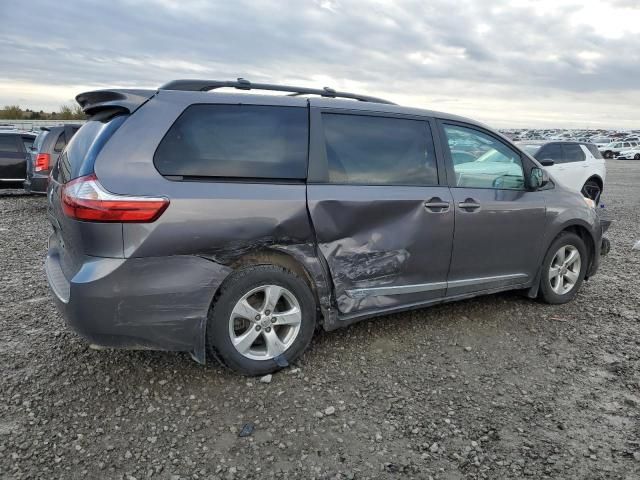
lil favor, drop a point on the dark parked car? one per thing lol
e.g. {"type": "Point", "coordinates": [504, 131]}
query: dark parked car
{"type": "Point", "coordinates": [14, 149]}
{"type": "Point", "coordinates": [230, 225]}
{"type": "Point", "coordinates": [47, 147]}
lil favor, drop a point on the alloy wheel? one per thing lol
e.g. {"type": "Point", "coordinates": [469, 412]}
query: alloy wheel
{"type": "Point", "coordinates": [265, 322]}
{"type": "Point", "coordinates": [564, 271]}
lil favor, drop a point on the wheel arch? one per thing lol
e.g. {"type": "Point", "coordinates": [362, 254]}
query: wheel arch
{"type": "Point", "coordinates": [578, 229]}
{"type": "Point", "coordinates": [598, 179]}
{"type": "Point", "coordinates": [302, 260]}
{"type": "Point", "coordinates": [278, 258]}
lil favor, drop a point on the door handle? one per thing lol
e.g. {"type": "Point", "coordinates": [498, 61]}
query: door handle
{"type": "Point", "coordinates": [436, 205]}
{"type": "Point", "coordinates": [469, 205]}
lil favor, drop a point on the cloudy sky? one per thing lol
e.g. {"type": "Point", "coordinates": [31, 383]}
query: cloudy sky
{"type": "Point", "coordinates": [510, 63]}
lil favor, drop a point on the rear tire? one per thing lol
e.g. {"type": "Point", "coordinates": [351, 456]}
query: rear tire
{"type": "Point", "coordinates": [608, 154]}
{"type": "Point", "coordinates": [262, 320]}
{"type": "Point", "coordinates": [636, 156]}
{"type": "Point", "coordinates": [561, 276]}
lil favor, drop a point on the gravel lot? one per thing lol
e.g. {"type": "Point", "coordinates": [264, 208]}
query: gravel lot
{"type": "Point", "coordinates": [496, 387]}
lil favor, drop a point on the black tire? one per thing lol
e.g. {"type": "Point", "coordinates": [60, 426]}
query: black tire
{"type": "Point", "coordinates": [546, 292]}
{"type": "Point", "coordinates": [239, 283]}
{"type": "Point", "coordinates": [591, 189]}
{"type": "Point", "coordinates": [636, 156]}
{"type": "Point", "coordinates": [608, 154]}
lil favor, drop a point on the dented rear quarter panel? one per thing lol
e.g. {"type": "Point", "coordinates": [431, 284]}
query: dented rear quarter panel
{"type": "Point", "coordinates": [216, 222]}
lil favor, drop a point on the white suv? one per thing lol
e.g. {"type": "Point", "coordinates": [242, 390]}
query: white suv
{"type": "Point", "coordinates": [579, 166]}
{"type": "Point", "coordinates": [614, 148]}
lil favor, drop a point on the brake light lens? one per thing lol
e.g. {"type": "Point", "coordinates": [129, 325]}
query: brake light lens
{"type": "Point", "coordinates": [42, 162]}
{"type": "Point", "coordinates": [84, 198]}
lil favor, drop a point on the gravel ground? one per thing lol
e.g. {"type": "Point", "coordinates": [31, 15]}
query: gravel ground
{"type": "Point", "coordinates": [496, 387]}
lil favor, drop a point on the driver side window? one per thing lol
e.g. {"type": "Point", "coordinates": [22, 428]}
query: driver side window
{"type": "Point", "coordinates": [482, 161]}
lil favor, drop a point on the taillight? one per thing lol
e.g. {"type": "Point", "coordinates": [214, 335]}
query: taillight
{"type": "Point", "coordinates": [42, 162]}
{"type": "Point", "coordinates": [85, 199]}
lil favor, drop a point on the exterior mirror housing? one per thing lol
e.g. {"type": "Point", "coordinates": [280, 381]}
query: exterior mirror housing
{"type": "Point", "coordinates": [538, 178]}
{"type": "Point", "coordinates": [547, 162]}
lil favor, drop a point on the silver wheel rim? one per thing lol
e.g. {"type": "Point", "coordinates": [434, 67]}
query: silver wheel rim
{"type": "Point", "coordinates": [564, 271]}
{"type": "Point", "coordinates": [265, 322]}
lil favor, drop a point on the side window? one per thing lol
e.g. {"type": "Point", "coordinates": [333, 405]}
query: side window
{"type": "Point", "coordinates": [573, 153]}
{"type": "Point", "coordinates": [552, 151]}
{"type": "Point", "coordinates": [492, 164]}
{"type": "Point", "coordinates": [594, 151]}
{"type": "Point", "coordinates": [236, 141]}
{"type": "Point", "coordinates": [60, 143]}
{"type": "Point", "coordinates": [370, 150]}
{"type": "Point", "coordinates": [8, 144]}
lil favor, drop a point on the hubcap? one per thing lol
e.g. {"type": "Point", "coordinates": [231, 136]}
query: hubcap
{"type": "Point", "coordinates": [265, 322]}
{"type": "Point", "coordinates": [565, 269]}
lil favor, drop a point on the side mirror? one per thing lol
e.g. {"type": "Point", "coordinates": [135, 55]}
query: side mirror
{"type": "Point", "coordinates": [547, 162]}
{"type": "Point", "coordinates": [538, 178]}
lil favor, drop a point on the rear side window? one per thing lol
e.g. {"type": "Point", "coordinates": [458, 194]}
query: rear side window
{"type": "Point", "coordinates": [370, 150]}
{"type": "Point", "coordinates": [573, 153]}
{"type": "Point", "coordinates": [8, 144]}
{"type": "Point", "coordinates": [594, 151]}
{"type": "Point", "coordinates": [236, 141]}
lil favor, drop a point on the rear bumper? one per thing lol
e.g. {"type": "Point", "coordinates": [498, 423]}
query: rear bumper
{"type": "Point", "coordinates": [604, 246]}
{"type": "Point", "coordinates": [139, 303]}
{"type": "Point", "coordinates": [36, 184]}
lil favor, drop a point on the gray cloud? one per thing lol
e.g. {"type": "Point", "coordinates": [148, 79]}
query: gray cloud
{"type": "Point", "coordinates": [437, 50]}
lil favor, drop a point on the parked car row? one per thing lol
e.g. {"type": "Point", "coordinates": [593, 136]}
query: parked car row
{"type": "Point", "coordinates": [611, 144]}
{"type": "Point", "coordinates": [237, 223]}
{"type": "Point", "coordinates": [26, 158]}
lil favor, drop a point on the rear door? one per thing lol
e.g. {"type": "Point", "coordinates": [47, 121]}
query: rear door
{"type": "Point", "coordinates": [576, 169]}
{"type": "Point", "coordinates": [499, 224]}
{"type": "Point", "coordinates": [12, 158]}
{"type": "Point", "coordinates": [380, 206]}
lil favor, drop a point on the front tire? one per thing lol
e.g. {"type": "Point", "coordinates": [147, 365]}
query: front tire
{"type": "Point", "coordinates": [608, 154]}
{"type": "Point", "coordinates": [563, 269]}
{"type": "Point", "coordinates": [263, 319]}
{"type": "Point", "coordinates": [636, 156]}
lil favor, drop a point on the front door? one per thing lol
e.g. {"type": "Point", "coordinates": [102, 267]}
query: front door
{"type": "Point", "coordinates": [383, 216]}
{"type": "Point", "coordinates": [499, 224]}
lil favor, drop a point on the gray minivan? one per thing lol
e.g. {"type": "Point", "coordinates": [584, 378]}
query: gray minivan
{"type": "Point", "coordinates": [230, 225]}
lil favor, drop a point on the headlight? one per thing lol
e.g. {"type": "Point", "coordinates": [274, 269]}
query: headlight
{"type": "Point", "coordinates": [589, 202]}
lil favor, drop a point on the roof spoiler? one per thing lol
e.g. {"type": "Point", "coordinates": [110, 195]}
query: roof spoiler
{"type": "Point", "coordinates": [122, 100]}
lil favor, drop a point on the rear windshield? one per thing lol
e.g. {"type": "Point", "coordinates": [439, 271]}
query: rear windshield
{"type": "Point", "coordinates": [531, 149]}
{"type": "Point", "coordinates": [236, 141]}
{"type": "Point", "coordinates": [79, 156]}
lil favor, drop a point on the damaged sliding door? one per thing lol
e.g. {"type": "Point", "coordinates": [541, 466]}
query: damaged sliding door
{"type": "Point", "coordinates": [383, 222]}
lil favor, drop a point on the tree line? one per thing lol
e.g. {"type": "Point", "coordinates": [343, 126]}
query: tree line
{"type": "Point", "coordinates": [65, 112]}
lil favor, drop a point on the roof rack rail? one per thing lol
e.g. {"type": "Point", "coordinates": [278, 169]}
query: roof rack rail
{"type": "Point", "coordinates": [242, 84]}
